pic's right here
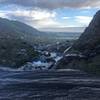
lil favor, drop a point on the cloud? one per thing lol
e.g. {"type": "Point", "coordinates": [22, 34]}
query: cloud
{"type": "Point", "coordinates": [37, 18]}
{"type": "Point", "coordinates": [83, 20]}
{"type": "Point", "coordinates": [41, 14]}
{"type": "Point", "coordinates": [54, 4]}
{"type": "Point", "coordinates": [3, 15]}
{"type": "Point", "coordinates": [65, 17]}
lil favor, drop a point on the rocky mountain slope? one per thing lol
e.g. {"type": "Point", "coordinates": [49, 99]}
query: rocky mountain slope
{"type": "Point", "coordinates": [86, 48]}
{"type": "Point", "coordinates": [91, 36]}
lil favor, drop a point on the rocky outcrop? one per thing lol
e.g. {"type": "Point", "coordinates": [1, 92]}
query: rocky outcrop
{"type": "Point", "coordinates": [90, 37]}
{"type": "Point", "coordinates": [84, 93]}
{"type": "Point", "coordinates": [48, 85]}
{"type": "Point", "coordinates": [88, 45]}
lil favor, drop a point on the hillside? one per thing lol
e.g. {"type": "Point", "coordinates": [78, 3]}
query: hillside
{"type": "Point", "coordinates": [86, 50]}
{"type": "Point", "coordinates": [17, 30]}
{"type": "Point", "coordinates": [16, 43]}
{"type": "Point", "coordinates": [91, 36]}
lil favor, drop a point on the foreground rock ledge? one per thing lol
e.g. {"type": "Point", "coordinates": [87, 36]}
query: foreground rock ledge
{"type": "Point", "coordinates": [49, 85]}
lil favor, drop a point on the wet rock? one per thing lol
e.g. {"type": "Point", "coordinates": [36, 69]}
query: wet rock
{"type": "Point", "coordinates": [70, 61]}
{"type": "Point", "coordinates": [84, 93]}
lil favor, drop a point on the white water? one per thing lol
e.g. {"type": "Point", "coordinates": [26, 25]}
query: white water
{"type": "Point", "coordinates": [67, 49]}
{"type": "Point", "coordinates": [40, 65]}
{"type": "Point", "coordinates": [58, 58]}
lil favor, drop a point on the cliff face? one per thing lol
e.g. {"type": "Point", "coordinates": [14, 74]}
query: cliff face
{"type": "Point", "coordinates": [91, 36]}
{"type": "Point", "coordinates": [88, 45]}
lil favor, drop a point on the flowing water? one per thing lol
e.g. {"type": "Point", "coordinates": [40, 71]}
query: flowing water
{"type": "Point", "coordinates": [35, 82]}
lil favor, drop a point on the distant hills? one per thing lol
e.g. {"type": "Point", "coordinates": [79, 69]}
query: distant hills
{"type": "Point", "coordinates": [17, 30]}
{"type": "Point", "coordinates": [17, 41]}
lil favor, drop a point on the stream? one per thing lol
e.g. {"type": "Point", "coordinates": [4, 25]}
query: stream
{"type": "Point", "coordinates": [34, 81]}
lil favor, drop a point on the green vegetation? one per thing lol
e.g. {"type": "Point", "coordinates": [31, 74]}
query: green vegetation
{"type": "Point", "coordinates": [16, 43]}
{"type": "Point", "coordinates": [14, 53]}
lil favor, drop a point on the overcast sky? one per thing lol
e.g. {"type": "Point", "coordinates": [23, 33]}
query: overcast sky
{"type": "Point", "coordinates": [51, 15]}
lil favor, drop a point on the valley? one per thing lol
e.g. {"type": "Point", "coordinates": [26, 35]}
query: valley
{"type": "Point", "coordinates": [36, 65]}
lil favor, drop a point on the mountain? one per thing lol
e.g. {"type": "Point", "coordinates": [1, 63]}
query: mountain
{"type": "Point", "coordinates": [91, 36]}
{"type": "Point", "coordinates": [17, 30]}
{"type": "Point", "coordinates": [16, 43]}
{"type": "Point", "coordinates": [85, 52]}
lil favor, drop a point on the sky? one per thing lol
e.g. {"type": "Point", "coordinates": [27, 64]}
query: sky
{"type": "Point", "coordinates": [51, 15]}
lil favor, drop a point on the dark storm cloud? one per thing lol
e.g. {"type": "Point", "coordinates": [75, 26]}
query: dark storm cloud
{"type": "Point", "coordinates": [53, 4]}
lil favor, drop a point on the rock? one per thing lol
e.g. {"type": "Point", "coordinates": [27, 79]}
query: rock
{"type": "Point", "coordinates": [84, 93]}
{"type": "Point", "coordinates": [70, 61]}
{"type": "Point", "coordinates": [88, 45]}
{"type": "Point", "coordinates": [90, 37]}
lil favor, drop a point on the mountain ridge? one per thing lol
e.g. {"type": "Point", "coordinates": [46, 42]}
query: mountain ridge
{"type": "Point", "coordinates": [16, 43]}
{"type": "Point", "coordinates": [88, 45]}
{"type": "Point", "coordinates": [90, 35]}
